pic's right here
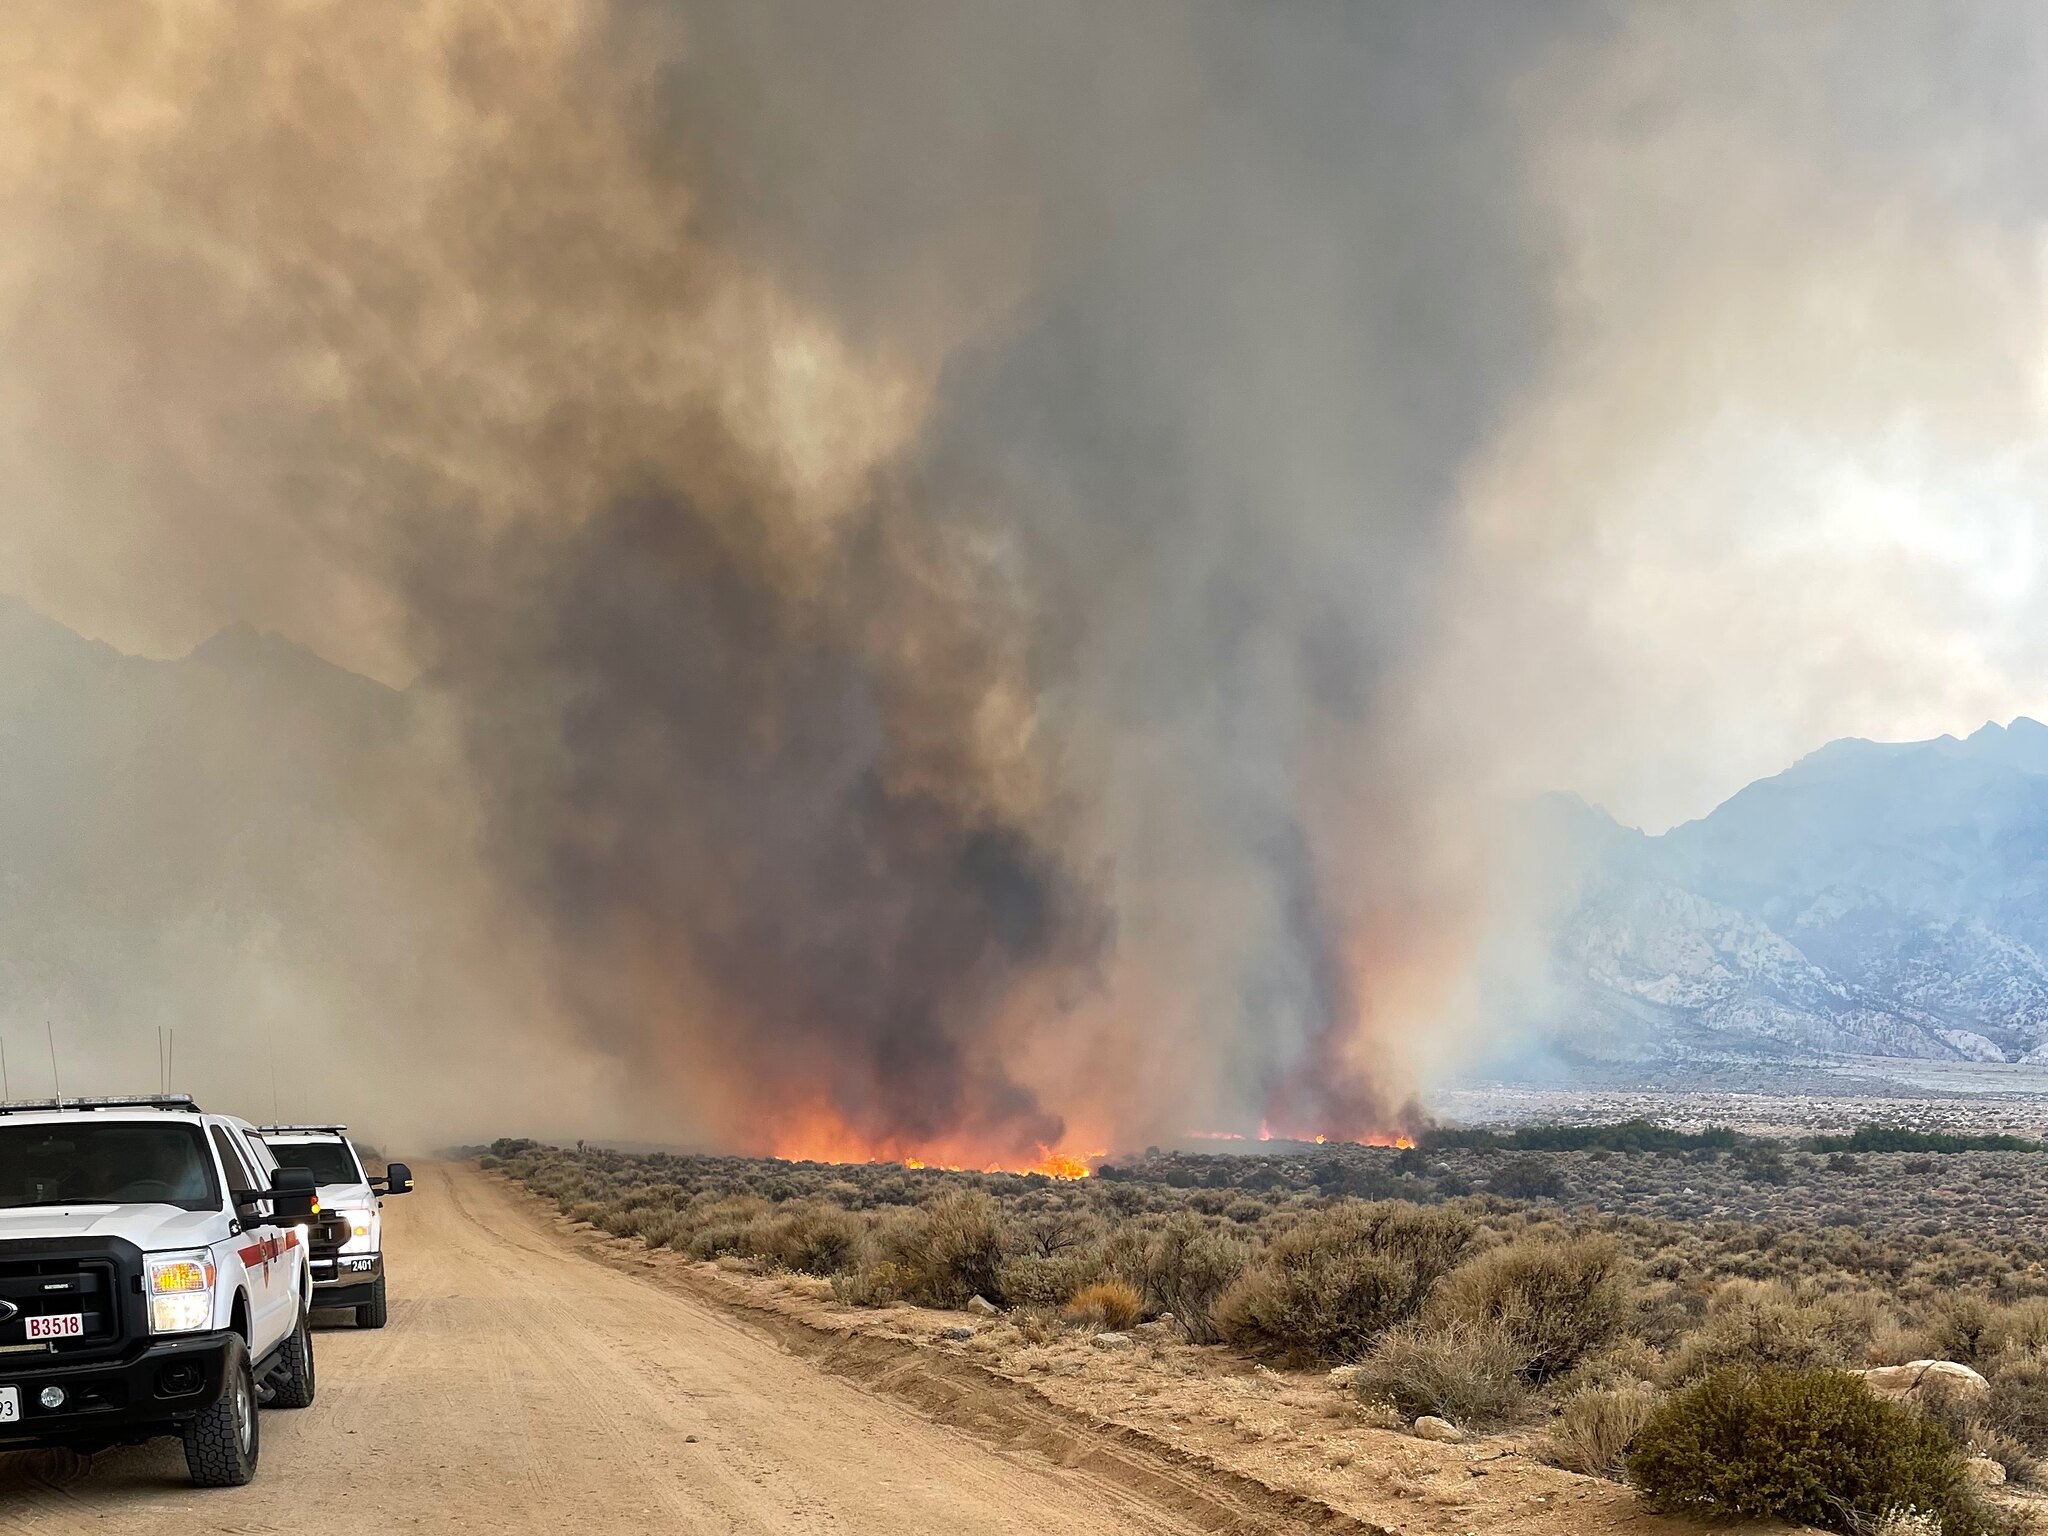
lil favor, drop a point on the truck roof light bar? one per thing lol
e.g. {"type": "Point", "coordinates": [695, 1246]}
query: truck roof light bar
{"type": "Point", "coordinates": [286, 1130]}
{"type": "Point", "coordinates": [176, 1102]}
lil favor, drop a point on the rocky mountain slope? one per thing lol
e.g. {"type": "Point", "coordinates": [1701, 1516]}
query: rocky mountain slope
{"type": "Point", "coordinates": [1886, 899]}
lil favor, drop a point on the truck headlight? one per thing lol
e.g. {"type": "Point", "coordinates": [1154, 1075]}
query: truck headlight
{"type": "Point", "coordinates": [180, 1292]}
{"type": "Point", "coordinates": [362, 1230]}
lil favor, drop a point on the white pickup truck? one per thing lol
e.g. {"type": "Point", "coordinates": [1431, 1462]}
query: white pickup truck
{"type": "Point", "coordinates": [153, 1280]}
{"type": "Point", "coordinates": [348, 1241]}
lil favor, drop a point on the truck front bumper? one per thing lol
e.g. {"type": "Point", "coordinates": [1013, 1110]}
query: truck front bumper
{"type": "Point", "coordinates": [346, 1281]}
{"type": "Point", "coordinates": [149, 1391]}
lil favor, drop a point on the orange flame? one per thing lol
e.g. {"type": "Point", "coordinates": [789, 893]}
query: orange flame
{"type": "Point", "coordinates": [819, 1136]}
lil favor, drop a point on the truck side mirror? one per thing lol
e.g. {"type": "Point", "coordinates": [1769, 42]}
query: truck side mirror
{"type": "Point", "coordinates": [397, 1179]}
{"type": "Point", "coordinates": [291, 1194]}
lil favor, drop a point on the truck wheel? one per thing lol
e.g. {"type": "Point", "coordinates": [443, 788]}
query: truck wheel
{"type": "Point", "coordinates": [222, 1444]}
{"type": "Point", "coordinates": [371, 1314]}
{"type": "Point", "coordinates": [293, 1382]}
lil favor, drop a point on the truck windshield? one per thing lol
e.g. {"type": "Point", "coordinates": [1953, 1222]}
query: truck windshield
{"type": "Point", "coordinates": [107, 1163]}
{"type": "Point", "coordinates": [330, 1162]}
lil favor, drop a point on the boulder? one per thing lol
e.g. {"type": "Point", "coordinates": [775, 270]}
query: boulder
{"type": "Point", "coordinates": [1925, 1378]}
{"type": "Point", "coordinates": [1443, 1431]}
{"type": "Point", "coordinates": [1111, 1341]}
{"type": "Point", "coordinates": [956, 1333]}
{"type": "Point", "coordinates": [981, 1306]}
{"type": "Point", "coordinates": [1982, 1469]}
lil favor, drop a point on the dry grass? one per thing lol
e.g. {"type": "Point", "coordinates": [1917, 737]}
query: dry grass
{"type": "Point", "coordinates": [1596, 1426]}
{"type": "Point", "coordinates": [1106, 1304]}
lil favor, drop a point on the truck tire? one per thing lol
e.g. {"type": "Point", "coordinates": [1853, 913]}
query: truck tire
{"type": "Point", "coordinates": [372, 1313]}
{"type": "Point", "coordinates": [222, 1445]}
{"type": "Point", "coordinates": [292, 1384]}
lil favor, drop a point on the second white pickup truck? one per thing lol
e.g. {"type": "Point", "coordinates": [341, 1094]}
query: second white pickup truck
{"type": "Point", "coordinates": [348, 1243]}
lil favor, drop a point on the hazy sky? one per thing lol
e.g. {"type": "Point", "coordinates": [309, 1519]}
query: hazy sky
{"type": "Point", "coordinates": [1020, 553]}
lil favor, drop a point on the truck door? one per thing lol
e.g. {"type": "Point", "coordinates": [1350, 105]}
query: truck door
{"type": "Point", "coordinates": [273, 1297]}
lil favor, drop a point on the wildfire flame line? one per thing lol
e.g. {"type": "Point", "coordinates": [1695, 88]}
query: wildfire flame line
{"type": "Point", "coordinates": [825, 1141]}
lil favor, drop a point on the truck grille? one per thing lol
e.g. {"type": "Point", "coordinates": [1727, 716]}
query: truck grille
{"type": "Point", "coordinates": [323, 1244]}
{"type": "Point", "coordinates": [96, 1279]}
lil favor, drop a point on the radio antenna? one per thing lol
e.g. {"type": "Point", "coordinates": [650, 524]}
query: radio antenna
{"type": "Point", "coordinates": [55, 1081]}
{"type": "Point", "coordinates": [6, 1091]}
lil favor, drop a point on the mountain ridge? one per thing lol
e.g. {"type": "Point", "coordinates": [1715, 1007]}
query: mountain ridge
{"type": "Point", "coordinates": [1874, 898]}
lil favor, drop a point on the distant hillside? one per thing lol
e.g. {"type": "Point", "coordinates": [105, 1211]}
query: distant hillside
{"type": "Point", "coordinates": [206, 843]}
{"type": "Point", "coordinates": [1875, 898]}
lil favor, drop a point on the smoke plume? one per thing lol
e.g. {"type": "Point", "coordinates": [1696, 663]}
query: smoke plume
{"type": "Point", "coordinates": [986, 572]}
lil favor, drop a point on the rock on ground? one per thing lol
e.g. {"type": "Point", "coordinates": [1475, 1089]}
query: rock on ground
{"type": "Point", "coordinates": [1112, 1341]}
{"type": "Point", "coordinates": [981, 1306]}
{"type": "Point", "coordinates": [1925, 1378]}
{"type": "Point", "coordinates": [1443, 1431]}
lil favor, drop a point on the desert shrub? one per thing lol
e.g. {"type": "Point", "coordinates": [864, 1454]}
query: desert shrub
{"type": "Point", "coordinates": [1037, 1325]}
{"type": "Point", "coordinates": [624, 1221]}
{"type": "Point", "coordinates": [726, 1227]}
{"type": "Point", "coordinates": [811, 1238]}
{"type": "Point", "coordinates": [1188, 1267]}
{"type": "Point", "coordinates": [949, 1250]}
{"type": "Point", "coordinates": [1768, 1323]}
{"type": "Point", "coordinates": [1559, 1299]}
{"type": "Point", "coordinates": [878, 1284]}
{"type": "Point", "coordinates": [2018, 1328]}
{"type": "Point", "coordinates": [2022, 1466]}
{"type": "Point", "coordinates": [1122, 1253]}
{"type": "Point", "coordinates": [1527, 1178]}
{"type": "Point", "coordinates": [1598, 1425]}
{"type": "Point", "coordinates": [1627, 1362]}
{"type": "Point", "coordinates": [1107, 1304]}
{"type": "Point", "coordinates": [2017, 1405]}
{"type": "Point", "coordinates": [1812, 1447]}
{"type": "Point", "coordinates": [660, 1229]}
{"type": "Point", "coordinates": [1762, 1165]}
{"type": "Point", "coordinates": [1034, 1281]}
{"type": "Point", "coordinates": [1051, 1234]}
{"type": "Point", "coordinates": [1963, 1328]}
{"type": "Point", "coordinates": [1470, 1373]}
{"type": "Point", "coordinates": [1334, 1282]}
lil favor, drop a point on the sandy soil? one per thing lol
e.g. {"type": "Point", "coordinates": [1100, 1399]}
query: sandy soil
{"type": "Point", "coordinates": [521, 1387]}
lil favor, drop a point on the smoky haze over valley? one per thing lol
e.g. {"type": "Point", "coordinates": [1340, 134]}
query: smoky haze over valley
{"type": "Point", "coordinates": [968, 582]}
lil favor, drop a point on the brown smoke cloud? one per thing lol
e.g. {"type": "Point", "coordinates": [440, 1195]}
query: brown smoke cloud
{"type": "Point", "coordinates": [978, 579]}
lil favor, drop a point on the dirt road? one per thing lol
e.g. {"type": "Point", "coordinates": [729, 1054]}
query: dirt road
{"type": "Point", "coordinates": [521, 1387]}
